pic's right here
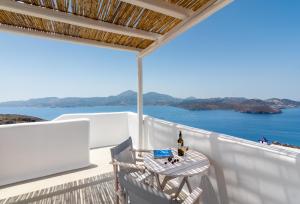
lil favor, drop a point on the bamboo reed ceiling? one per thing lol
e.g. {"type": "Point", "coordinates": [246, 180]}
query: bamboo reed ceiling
{"type": "Point", "coordinates": [110, 11]}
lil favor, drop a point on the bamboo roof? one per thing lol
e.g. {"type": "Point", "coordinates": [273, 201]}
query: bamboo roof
{"type": "Point", "coordinates": [134, 25]}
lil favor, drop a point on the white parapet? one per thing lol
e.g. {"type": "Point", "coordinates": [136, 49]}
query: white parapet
{"type": "Point", "coordinates": [33, 150]}
{"type": "Point", "coordinates": [241, 171]}
{"type": "Point", "coordinates": [106, 129]}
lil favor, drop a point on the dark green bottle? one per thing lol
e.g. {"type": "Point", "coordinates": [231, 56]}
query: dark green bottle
{"type": "Point", "coordinates": [180, 144]}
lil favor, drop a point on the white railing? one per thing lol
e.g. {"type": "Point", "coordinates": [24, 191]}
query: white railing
{"type": "Point", "coordinates": [242, 171]}
{"type": "Point", "coordinates": [34, 150]}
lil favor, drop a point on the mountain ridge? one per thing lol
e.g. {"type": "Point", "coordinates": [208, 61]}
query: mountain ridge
{"type": "Point", "coordinates": [241, 104]}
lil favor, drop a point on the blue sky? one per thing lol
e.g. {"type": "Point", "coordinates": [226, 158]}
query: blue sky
{"type": "Point", "coordinates": [251, 48]}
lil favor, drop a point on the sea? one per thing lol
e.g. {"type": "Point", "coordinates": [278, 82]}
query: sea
{"type": "Point", "coordinates": [284, 127]}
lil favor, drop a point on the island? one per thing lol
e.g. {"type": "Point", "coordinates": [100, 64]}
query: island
{"type": "Point", "coordinates": [255, 106]}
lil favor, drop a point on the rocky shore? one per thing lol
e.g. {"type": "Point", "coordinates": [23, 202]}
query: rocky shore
{"type": "Point", "coordinates": [13, 119]}
{"type": "Point", "coordinates": [285, 145]}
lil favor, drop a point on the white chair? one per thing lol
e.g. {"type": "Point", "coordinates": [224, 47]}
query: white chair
{"type": "Point", "coordinates": [124, 161]}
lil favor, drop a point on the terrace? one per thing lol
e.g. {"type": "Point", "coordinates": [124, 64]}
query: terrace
{"type": "Point", "coordinates": [241, 171]}
{"type": "Point", "coordinates": [67, 160]}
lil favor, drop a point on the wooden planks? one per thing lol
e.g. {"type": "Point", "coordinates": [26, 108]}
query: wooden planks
{"type": "Point", "coordinates": [39, 24]}
{"type": "Point", "coordinates": [92, 190]}
{"type": "Point", "coordinates": [81, 21]}
{"type": "Point", "coordinates": [144, 25]}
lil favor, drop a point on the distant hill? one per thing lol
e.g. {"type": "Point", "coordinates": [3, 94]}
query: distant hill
{"type": "Point", "coordinates": [153, 98]}
{"type": "Point", "coordinates": [244, 105]}
{"type": "Point", "coordinates": [125, 98]}
{"type": "Point", "coordinates": [13, 119]}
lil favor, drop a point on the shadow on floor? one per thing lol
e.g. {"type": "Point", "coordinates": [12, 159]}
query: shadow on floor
{"type": "Point", "coordinates": [97, 189]}
{"type": "Point", "coordinates": [91, 166]}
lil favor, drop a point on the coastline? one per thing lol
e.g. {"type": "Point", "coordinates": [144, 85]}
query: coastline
{"type": "Point", "coordinates": [276, 127]}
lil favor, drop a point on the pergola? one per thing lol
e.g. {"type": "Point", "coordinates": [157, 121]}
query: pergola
{"type": "Point", "coordinates": [139, 26]}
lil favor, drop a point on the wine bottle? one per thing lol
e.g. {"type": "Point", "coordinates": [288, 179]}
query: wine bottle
{"type": "Point", "coordinates": [180, 144]}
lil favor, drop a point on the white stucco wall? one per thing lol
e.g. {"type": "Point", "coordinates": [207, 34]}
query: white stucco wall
{"type": "Point", "coordinates": [33, 150]}
{"type": "Point", "coordinates": [242, 172]}
{"type": "Point", "coordinates": [133, 128]}
{"type": "Point", "coordinates": [106, 129]}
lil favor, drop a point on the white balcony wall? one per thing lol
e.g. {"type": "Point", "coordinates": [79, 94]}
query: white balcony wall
{"type": "Point", "coordinates": [242, 172]}
{"type": "Point", "coordinates": [133, 130]}
{"type": "Point", "coordinates": [33, 150]}
{"type": "Point", "coordinates": [106, 129]}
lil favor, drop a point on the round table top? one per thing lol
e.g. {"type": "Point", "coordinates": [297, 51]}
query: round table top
{"type": "Point", "coordinates": [190, 164]}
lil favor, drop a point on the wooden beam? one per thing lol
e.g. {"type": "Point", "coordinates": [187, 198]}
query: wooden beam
{"type": "Point", "coordinates": [60, 37]}
{"type": "Point", "coordinates": [210, 8]}
{"type": "Point", "coordinates": [163, 7]}
{"type": "Point", "coordinates": [53, 15]}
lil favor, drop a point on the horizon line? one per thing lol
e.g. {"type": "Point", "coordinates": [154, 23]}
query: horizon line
{"type": "Point", "coordinates": [63, 97]}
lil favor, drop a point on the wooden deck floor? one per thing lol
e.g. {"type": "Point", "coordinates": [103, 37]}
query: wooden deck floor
{"type": "Point", "coordinates": [92, 185]}
{"type": "Point", "coordinates": [93, 190]}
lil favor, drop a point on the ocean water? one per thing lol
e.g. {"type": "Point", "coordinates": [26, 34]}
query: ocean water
{"type": "Point", "coordinates": [284, 127]}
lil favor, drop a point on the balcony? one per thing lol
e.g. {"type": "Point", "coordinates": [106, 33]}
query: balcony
{"type": "Point", "coordinates": [70, 163]}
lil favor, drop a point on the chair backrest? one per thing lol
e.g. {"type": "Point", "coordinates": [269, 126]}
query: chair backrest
{"type": "Point", "coordinates": [122, 152]}
{"type": "Point", "coordinates": [141, 193]}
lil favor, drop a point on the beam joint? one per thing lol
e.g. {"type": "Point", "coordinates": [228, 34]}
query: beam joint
{"type": "Point", "coordinates": [162, 7]}
{"type": "Point", "coordinates": [200, 15]}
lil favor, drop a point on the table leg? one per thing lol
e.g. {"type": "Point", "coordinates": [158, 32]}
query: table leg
{"type": "Point", "coordinates": [188, 185]}
{"type": "Point", "coordinates": [165, 181]}
{"type": "Point", "coordinates": [158, 182]}
{"type": "Point", "coordinates": [180, 187]}
{"type": "Point", "coordinates": [152, 179]}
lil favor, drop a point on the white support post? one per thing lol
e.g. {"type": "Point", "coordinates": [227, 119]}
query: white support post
{"type": "Point", "coordinates": [140, 101]}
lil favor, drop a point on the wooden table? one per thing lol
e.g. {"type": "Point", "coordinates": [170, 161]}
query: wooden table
{"type": "Point", "coordinates": [192, 163]}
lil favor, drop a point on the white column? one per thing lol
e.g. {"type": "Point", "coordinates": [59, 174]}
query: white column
{"type": "Point", "coordinates": [140, 101]}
